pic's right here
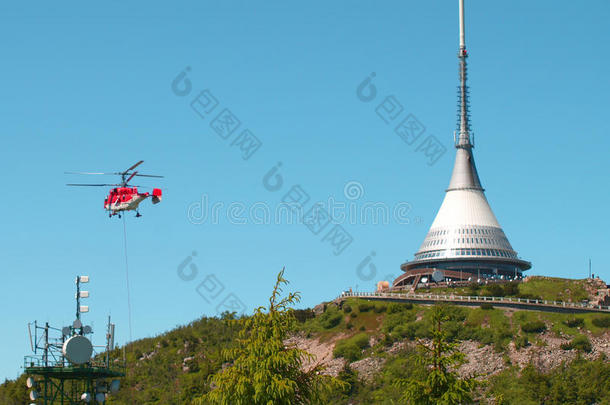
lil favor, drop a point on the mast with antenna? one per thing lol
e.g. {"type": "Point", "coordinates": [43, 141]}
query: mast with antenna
{"type": "Point", "coordinates": [463, 139]}
{"type": "Point", "coordinates": [69, 370]}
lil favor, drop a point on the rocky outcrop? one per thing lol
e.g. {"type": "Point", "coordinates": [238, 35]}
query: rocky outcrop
{"type": "Point", "coordinates": [321, 351]}
{"type": "Point", "coordinates": [368, 367]}
{"type": "Point", "coordinates": [482, 361]}
{"type": "Point", "coordinates": [599, 293]}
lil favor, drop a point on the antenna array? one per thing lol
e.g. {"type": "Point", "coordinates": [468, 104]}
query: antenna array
{"type": "Point", "coordinates": [65, 364]}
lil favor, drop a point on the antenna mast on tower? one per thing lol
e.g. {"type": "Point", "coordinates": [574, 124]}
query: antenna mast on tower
{"type": "Point", "coordinates": [463, 126]}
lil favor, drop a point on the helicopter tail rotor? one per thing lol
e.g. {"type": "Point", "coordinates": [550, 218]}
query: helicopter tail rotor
{"type": "Point", "coordinates": [156, 195]}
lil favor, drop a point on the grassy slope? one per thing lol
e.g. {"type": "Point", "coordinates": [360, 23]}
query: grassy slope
{"type": "Point", "coordinates": [159, 374]}
{"type": "Point", "coordinates": [555, 289]}
{"type": "Point", "coordinates": [546, 288]}
{"type": "Point", "coordinates": [393, 322]}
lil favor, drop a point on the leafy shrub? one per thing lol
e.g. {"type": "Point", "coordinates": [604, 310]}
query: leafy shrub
{"type": "Point", "coordinates": [407, 331]}
{"type": "Point", "coordinates": [361, 340]}
{"type": "Point", "coordinates": [351, 348]}
{"type": "Point", "coordinates": [455, 313]}
{"type": "Point", "coordinates": [302, 315]}
{"type": "Point", "coordinates": [473, 288]}
{"type": "Point", "coordinates": [452, 329]}
{"type": "Point", "coordinates": [347, 308]}
{"type": "Point", "coordinates": [332, 321]}
{"type": "Point", "coordinates": [365, 306]}
{"type": "Point", "coordinates": [331, 318]}
{"type": "Point", "coordinates": [511, 289]}
{"type": "Point", "coordinates": [602, 322]}
{"type": "Point", "coordinates": [521, 341]}
{"type": "Point", "coordinates": [537, 326]}
{"type": "Point", "coordinates": [574, 322]}
{"type": "Point", "coordinates": [487, 306]}
{"type": "Point", "coordinates": [387, 340]}
{"type": "Point", "coordinates": [421, 329]}
{"type": "Point", "coordinates": [484, 336]}
{"type": "Point", "coordinates": [395, 307]}
{"type": "Point", "coordinates": [502, 336]}
{"type": "Point", "coordinates": [494, 290]}
{"type": "Point", "coordinates": [380, 307]}
{"type": "Point", "coordinates": [579, 381]}
{"type": "Point", "coordinates": [393, 320]}
{"type": "Point", "coordinates": [580, 343]}
{"type": "Point", "coordinates": [349, 352]}
{"type": "Point", "coordinates": [350, 378]}
{"type": "Point", "coordinates": [497, 336]}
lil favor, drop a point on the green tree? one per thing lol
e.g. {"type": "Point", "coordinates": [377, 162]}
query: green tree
{"type": "Point", "coordinates": [262, 369]}
{"type": "Point", "coordinates": [442, 385]}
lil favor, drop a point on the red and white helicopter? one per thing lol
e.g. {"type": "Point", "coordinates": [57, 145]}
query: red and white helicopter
{"type": "Point", "coordinates": [124, 197]}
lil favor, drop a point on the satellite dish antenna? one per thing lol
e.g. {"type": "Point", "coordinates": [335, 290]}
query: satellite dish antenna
{"type": "Point", "coordinates": [77, 324]}
{"type": "Point", "coordinates": [438, 276]}
{"type": "Point", "coordinates": [87, 329]}
{"type": "Point", "coordinates": [34, 395]}
{"type": "Point", "coordinates": [86, 397]}
{"type": "Point", "coordinates": [30, 382]}
{"type": "Point", "coordinates": [78, 349]}
{"type": "Point", "coordinates": [65, 331]}
{"type": "Point", "coordinates": [100, 398]}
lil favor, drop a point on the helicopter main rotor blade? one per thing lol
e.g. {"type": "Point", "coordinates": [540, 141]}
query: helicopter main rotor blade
{"type": "Point", "coordinates": [147, 175]}
{"type": "Point", "coordinates": [131, 177]}
{"type": "Point", "coordinates": [87, 173]}
{"type": "Point", "coordinates": [93, 185]}
{"type": "Point", "coordinates": [133, 167]}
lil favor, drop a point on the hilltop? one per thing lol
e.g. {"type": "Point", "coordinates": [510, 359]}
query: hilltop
{"type": "Point", "coordinates": [523, 357]}
{"type": "Point", "coordinates": [591, 290]}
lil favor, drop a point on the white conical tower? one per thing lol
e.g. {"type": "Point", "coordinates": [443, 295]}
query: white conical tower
{"type": "Point", "coordinates": [465, 237]}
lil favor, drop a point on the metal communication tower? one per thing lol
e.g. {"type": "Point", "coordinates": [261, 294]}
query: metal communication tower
{"type": "Point", "coordinates": [66, 368]}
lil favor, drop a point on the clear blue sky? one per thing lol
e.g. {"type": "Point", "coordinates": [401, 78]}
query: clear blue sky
{"type": "Point", "coordinates": [88, 87]}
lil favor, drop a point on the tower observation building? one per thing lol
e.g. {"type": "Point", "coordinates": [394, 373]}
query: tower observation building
{"type": "Point", "coordinates": [465, 240]}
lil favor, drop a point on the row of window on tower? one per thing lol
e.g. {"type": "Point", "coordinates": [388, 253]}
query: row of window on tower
{"type": "Point", "coordinates": [467, 231]}
{"type": "Point", "coordinates": [501, 241]}
{"type": "Point", "coordinates": [466, 252]}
